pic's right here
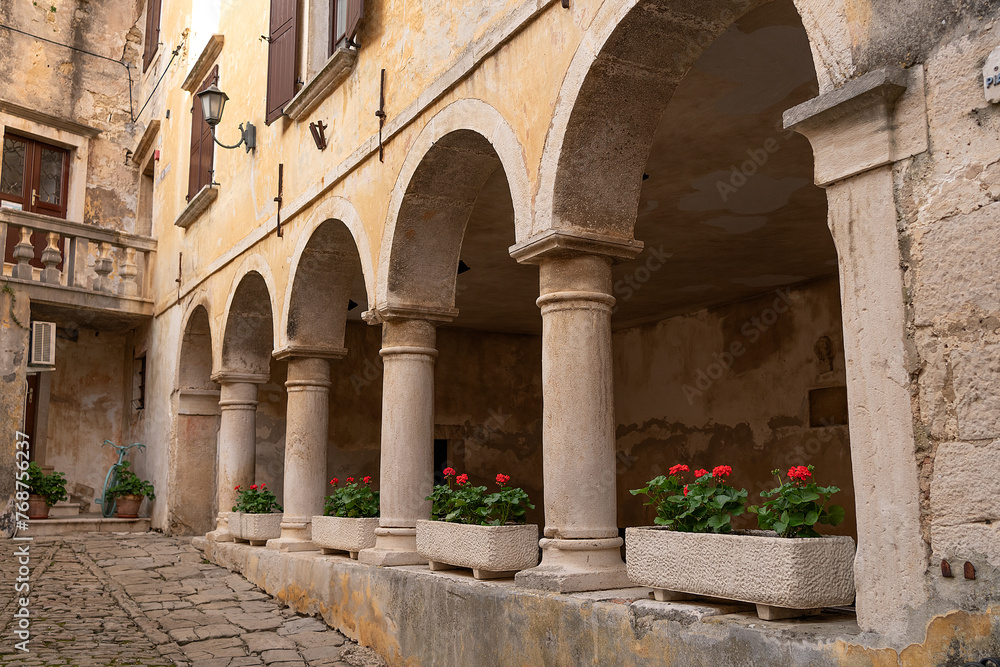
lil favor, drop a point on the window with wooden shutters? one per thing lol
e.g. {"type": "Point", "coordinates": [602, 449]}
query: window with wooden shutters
{"type": "Point", "coordinates": [34, 177]}
{"type": "Point", "coordinates": [202, 143]}
{"type": "Point", "coordinates": [281, 58]}
{"type": "Point", "coordinates": [152, 32]}
{"type": "Point", "coordinates": [345, 17]}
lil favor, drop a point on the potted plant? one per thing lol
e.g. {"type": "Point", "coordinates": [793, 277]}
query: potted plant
{"type": "Point", "coordinates": [786, 569]}
{"type": "Point", "coordinates": [256, 516]}
{"type": "Point", "coordinates": [474, 528]}
{"type": "Point", "coordinates": [350, 517]}
{"type": "Point", "coordinates": [129, 492]}
{"type": "Point", "coordinates": [44, 491]}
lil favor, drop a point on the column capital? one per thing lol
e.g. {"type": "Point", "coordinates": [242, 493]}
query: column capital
{"type": "Point", "coordinates": [230, 377]}
{"type": "Point", "coordinates": [401, 312]}
{"type": "Point", "coordinates": [559, 243]}
{"type": "Point", "coordinates": [297, 351]}
{"type": "Point", "coordinates": [874, 120]}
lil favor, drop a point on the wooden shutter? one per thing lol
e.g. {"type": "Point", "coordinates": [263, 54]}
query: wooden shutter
{"type": "Point", "coordinates": [355, 12]}
{"type": "Point", "coordinates": [152, 32]}
{"type": "Point", "coordinates": [280, 58]}
{"type": "Point", "coordinates": [202, 144]}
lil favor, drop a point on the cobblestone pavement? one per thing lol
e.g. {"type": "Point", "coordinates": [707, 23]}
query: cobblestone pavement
{"type": "Point", "coordinates": [153, 601]}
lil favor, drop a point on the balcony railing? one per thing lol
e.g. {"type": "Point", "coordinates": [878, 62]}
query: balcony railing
{"type": "Point", "coordinates": [77, 259]}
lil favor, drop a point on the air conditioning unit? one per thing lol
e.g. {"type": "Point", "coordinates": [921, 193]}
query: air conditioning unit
{"type": "Point", "coordinates": [43, 344]}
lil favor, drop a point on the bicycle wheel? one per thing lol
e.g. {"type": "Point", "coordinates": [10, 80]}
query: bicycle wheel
{"type": "Point", "coordinates": [108, 504]}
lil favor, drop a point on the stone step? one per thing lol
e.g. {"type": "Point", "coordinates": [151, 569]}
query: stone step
{"type": "Point", "coordinates": [64, 510]}
{"type": "Point", "coordinates": [85, 523]}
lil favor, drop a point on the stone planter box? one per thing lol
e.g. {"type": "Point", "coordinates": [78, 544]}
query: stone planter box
{"type": "Point", "coordinates": [783, 577]}
{"type": "Point", "coordinates": [256, 529]}
{"type": "Point", "coordinates": [337, 533]}
{"type": "Point", "coordinates": [493, 552]}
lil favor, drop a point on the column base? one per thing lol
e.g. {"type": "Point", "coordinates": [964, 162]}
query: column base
{"type": "Point", "coordinates": [393, 546]}
{"type": "Point", "coordinates": [296, 535]}
{"type": "Point", "coordinates": [570, 566]}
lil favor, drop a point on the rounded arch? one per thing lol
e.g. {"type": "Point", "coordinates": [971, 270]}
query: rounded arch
{"type": "Point", "coordinates": [249, 326]}
{"type": "Point", "coordinates": [616, 89]}
{"type": "Point", "coordinates": [325, 256]}
{"type": "Point", "coordinates": [197, 307]}
{"type": "Point", "coordinates": [451, 158]}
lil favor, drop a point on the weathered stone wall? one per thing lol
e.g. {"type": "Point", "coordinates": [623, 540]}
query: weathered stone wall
{"type": "Point", "coordinates": [947, 204]}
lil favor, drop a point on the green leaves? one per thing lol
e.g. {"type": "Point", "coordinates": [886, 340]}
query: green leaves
{"type": "Point", "coordinates": [129, 484]}
{"type": "Point", "coordinates": [464, 503]}
{"type": "Point", "coordinates": [354, 500]}
{"type": "Point", "coordinates": [797, 506]}
{"type": "Point", "coordinates": [706, 505]}
{"type": "Point", "coordinates": [256, 500]}
{"type": "Point", "coordinates": [52, 487]}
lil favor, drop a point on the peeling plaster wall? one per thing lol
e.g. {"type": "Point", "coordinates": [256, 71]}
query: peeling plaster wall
{"type": "Point", "coordinates": [731, 386]}
{"type": "Point", "coordinates": [80, 418]}
{"type": "Point", "coordinates": [13, 363]}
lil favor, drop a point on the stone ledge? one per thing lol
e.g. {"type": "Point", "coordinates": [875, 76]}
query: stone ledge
{"type": "Point", "coordinates": [198, 205]}
{"type": "Point", "coordinates": [333, 73]}
{"type": "Point", "coordinates": [394, 610]}
{"type": "Point", "coordinates": [204, 63]}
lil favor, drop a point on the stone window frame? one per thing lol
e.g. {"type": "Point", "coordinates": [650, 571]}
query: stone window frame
{"type": "Point", "coordinates": [74, 137]}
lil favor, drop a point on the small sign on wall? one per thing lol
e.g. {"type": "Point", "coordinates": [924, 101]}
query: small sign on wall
{"type": "Point", "coordinates": [991, 76]}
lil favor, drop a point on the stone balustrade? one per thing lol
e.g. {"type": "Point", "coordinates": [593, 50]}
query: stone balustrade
{"type": "Point", "coordinates": [75, 256]}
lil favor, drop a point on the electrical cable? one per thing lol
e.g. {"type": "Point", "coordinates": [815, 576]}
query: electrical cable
{"type": "Point", "coordinates": [128, 68]}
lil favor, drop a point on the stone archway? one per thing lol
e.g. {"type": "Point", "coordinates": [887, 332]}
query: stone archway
{"type": "Point", "coordinates": [193, 462]}
{"type": "Point", "coordinates": [590, 183]}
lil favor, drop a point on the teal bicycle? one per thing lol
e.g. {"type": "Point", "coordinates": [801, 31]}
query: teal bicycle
{"type": "Point", "coordinates": [108, 504]}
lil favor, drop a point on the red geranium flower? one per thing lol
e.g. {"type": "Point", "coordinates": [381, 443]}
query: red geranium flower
{"type": "Point", "coordinates": [367, 480]}
{"type": "Point", "coordinates": [462, 479]}
{"type": "Point", "coordinates": [350, 480]}
{"type": "Point", "coordinates": [502, 478]}
{"type": "Point", "coordinates": [237, 487]}
{"type": "Point", "coordinates": [685, 489]}
{"type": "Point", "coordinates": [701, 472]}
{"type": "Point", "coordinates": [334, 481]}
{"type": "Point", "coordinates": [262, 485]}
{"type": "Point", "coordinates": [800, 473]}
{"type": "Point", "coordinates": [722, 471]}
{"type": "Point", "coordinates": [680, 467]}
{"type": "Point", "coordinates": [253, 487]}
{"type": "Point", "coordinates": [449, 472]}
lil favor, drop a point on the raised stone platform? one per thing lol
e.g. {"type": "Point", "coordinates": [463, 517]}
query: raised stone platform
{"type": "Point", "coordinates": [84, 523]}
{"type": "Point", "coordinates": [413, 616]}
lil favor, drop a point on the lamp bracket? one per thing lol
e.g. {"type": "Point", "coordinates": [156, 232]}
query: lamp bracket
{"type": "Point", "coordinates": [248, 136]}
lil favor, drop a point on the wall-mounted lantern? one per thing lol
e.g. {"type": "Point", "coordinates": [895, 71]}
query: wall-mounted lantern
{"type": "Point", "coordinates": [213, 103]}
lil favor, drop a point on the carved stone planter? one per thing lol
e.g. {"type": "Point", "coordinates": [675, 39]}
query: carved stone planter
{"type": "Point", "coordinates": [493, 552]}
{"type": "Point", "coordinates": [337, 533]}
{"type": "Point", "coordinates": [256, 529]}
{"type": "Point", "coordinates": [784, 577]}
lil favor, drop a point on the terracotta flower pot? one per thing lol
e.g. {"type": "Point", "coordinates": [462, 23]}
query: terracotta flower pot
{"type": "Point", "coordinates": [784, 577]}
{"type": "Point", "coordinates": [37, 507]}
{"type": "Point", "coordinates": [338, 533]}
{"type": "Point", "coordinates": [127, 507]}
{"type": "Point", "coordinates": [493, 552]}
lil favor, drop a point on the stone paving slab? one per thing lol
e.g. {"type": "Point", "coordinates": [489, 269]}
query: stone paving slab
{"type": "Point", "coordinates": [107, 600]}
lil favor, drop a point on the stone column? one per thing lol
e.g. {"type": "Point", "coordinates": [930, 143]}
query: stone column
{"type": "Point", "coordinates": [581, 546]}
{"type": "Point", "coordinates": [307, 434]}
{"type": "Point", "coordinates": [857, 132]}
{"type": "Point", "coordinates": [237, 442]}
{"type": "Point", "coordinates": [407, 463]}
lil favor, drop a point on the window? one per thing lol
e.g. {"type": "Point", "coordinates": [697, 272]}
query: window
{"type": "Point", "coordinates": [330, 25]}
{"type": "Point", "coordinates": [202, 143]}
{"type": "Point", "coordinates": [33, 177]}
{"type": "Point", "coordinates": [345, 15]}
{"type": "Point", "coordinates": [139, 383]}
{"type": "Point", "coordinates": [152, 32]}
